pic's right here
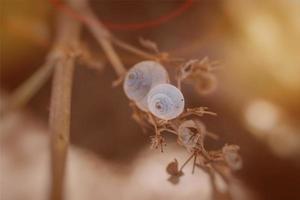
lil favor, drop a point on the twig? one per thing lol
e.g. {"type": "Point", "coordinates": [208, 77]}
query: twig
{"type": "Point", "coordinates": [26, 91]}
{"type": "Point", "coordinates": [89, 60]}
{"type": "Point", "coordinates": [60, 106]}
{"type": "Point", "coordinates": [194, 163]}
{"type": "Point", "coordinates": [59, 123]}
{"type": "Point", "coordinates": [102, 35]}
{"type": "Point", "coordinates": [106, 38]}
{"type": "Point", "coordinates": [83, 13]}
{"type": "Point", "coordinates": [132, 48]}
{"type": "Point", "coordinates": [186, 162]}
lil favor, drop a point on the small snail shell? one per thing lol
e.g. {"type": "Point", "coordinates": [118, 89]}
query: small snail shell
{"type": "Point", "coordinates": [141, 78]}
{"type": "Point", "coordinates": [165, 101]}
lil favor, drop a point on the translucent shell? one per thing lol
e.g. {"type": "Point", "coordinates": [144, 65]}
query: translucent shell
{"type": "Point", "coordinates": [141, 78]}
{"type": "Point", "coordinates": [165, 101]}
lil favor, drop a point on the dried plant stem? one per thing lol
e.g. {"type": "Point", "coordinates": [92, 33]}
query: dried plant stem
{"type": "Point", "coordinates": [194, 163]}
{"type": "Point", "coordinates": [100, 32]}
{"type": "Point", "coordinates": [113, 57]}
{"type": "Point", "coordinates": [59, 123]}
{"type": "Point", "coordinates": [102, 35]}
{"type": "Point", "coordinates": [106, 38]}
{"type": "Point", "coordinates": [29, 88]}
{"type": "Point", "coordinates": [186, 162]}
{"type": "Point", "coordinates": [60, 106]}
{"type": "Point", "coordinates": [132, 49]}
{"type": "Point", "coordinates": [26, 91]}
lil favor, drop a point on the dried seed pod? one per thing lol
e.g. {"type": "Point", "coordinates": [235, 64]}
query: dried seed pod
{"type": "Point", "coordinates": [189, 132]}
{"type": "Point", "coordinates": [141, 78]}
{"type": "Point", "coordinates": [232, 157]}
{"type": "Point", "coordinates": [206, 83]}
{"type": "Point", "coordinates": [172, 168]}
{"type": "Point", "coordinates": [165, 101]}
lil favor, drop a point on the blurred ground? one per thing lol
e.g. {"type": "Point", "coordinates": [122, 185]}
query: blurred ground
{"type": "Point", "coordinates": [257, 99]}
{"type": "Point", "coordinates": [25, 156]}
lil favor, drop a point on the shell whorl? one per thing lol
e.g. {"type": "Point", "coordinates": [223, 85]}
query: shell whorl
{"type": "Point", "coordinates": [165, 101]}
{"type": "Point", "coordinates": [141, 78]}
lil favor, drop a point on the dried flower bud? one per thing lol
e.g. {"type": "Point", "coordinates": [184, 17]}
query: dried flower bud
{"type": "Point", "coordinates": [205, 83]}
{"type": "Point", "coordinates": [232, 157]}
{"type": "Point", "coordinates": [172, 168]}
{"type": "Point", "coordinates": [189, 132]}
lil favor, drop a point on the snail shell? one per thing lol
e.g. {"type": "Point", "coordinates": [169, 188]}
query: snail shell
{"type": "Point", "coordinates": [165, 101]}
{"type": "Point", "coordinates": [141, 78]}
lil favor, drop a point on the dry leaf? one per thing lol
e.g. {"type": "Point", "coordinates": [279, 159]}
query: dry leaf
{"type": "Point", "coordinates": [173, 171]}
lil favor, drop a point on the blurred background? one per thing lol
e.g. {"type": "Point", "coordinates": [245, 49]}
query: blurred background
{"type": "Point", "coordinates": [257, 100]}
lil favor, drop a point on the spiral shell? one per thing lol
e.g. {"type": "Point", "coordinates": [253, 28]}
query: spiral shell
{"type": "Point", "coordinates": [141, 78]}
{"type": "Point", "coordinates": [165, 101]}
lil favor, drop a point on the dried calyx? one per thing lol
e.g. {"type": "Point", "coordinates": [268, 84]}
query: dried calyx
{"type": "Point", "coordinates": [190, 133]}
{"type": "Point", "coordinates": [198, 73]}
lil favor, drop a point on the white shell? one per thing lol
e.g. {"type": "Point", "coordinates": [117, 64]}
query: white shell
{"type": "Point", "coordinates": [165, 101]}
{"type": "Point", "coordinates": [141, 78]}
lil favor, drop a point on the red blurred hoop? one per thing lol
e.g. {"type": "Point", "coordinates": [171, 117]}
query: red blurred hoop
{"type": "Point", "coordinates": [127, 26]}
